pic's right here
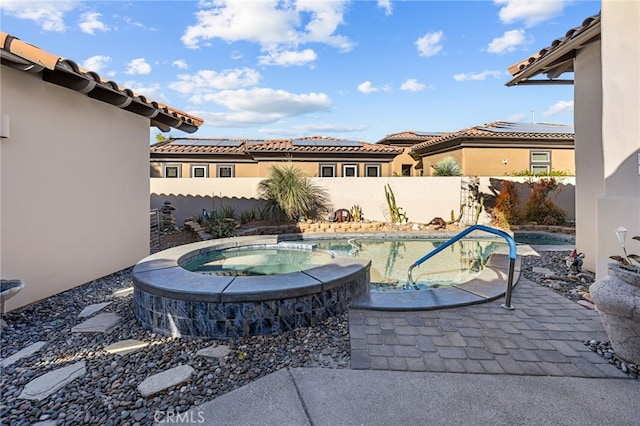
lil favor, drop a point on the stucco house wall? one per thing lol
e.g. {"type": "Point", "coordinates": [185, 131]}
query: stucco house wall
{"type": "Point", "coordinates": [74, 184]}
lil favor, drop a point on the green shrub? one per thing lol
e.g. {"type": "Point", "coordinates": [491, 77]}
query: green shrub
{"type": "Point", "coordinates": [447, 167]}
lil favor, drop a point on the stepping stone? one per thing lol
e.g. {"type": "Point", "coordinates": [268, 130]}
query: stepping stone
{"type": "Point", "coordinates": [586, 304]}
{"type": "Point", "coordinates": [22, 353]}
{"type": "Point", "coordinates": [124, 347]}
{"type": "Point", "coordinates": [92, 309]}
{"type": "Point", "coordinates": [45, 423]}
{"type": "Point", "coordinates": [214, 351]}
{"type": "Point", "coordinates": [164, 380]}
{"type": "Point", "coordinates": [47, 384]}
{"type": "Point", "coordinates": [539, 270]}
{"type": "Point", "coordinates": [123, 292]}
{"type": "Point", "coordinates": [98, 324]}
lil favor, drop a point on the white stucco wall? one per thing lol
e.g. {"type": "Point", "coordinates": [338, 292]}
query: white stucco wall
{"type": "Point", "coordinates": [74, 187]}
{"type": "Point", "coordinates": [588, 152]}
{"type": "Point", "coordinates": [620, 205]}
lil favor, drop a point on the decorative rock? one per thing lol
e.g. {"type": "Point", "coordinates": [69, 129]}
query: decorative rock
{"type": "Point", "coordinates": [47, 384]}
{"type": "Point", "coordinates": [23, 353]}
{"type": "Point", "coordinates": [99, 324]}
{"type": "Point", "coordinates": [124, 347]}
{"type": "Point", "coordinates": [586, 304]}
{"type": "Point", "coordinates": [164, 380]}
{"type": "Point", "coordinates": [214, 351]}
{"type": "Point", "coordinates": [123, 292]}
{"type": "Point", "coordinates": [540, 270]}
{"type": "Point", "coordinates": [92, 309]}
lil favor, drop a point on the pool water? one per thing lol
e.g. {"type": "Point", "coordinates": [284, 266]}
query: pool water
{"type": "Point", "coordinates": [257, 261]}
{"type": "Point", "coordinates": [538, 239]}
{"type": "Point", "coordinates": [391, 259]}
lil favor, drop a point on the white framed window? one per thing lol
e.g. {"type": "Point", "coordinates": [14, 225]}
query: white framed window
{"type": "Point", "coordinates": [225, 171]}
{"type": "Point", "coordinates": [540, 161]}
{"type": "Point", "coordinates": [172, 170]}
{"type": "Point", "coordinates": [327, 170]}
{"type": "Point", "coordinates": [349, 170]}
{"type": "Point", "coordinates": [372, 170]}
{"type": "Point", "coordinates": [199, 171]}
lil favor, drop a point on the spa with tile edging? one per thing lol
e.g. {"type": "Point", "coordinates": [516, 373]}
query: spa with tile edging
{"type": "Point", "coordinates": [173, 301]}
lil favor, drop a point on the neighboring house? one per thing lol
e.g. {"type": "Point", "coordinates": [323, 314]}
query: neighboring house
{"type": "Point", "coordinates": [73, 171]}
{"type": "Point", "coordinates": [404, 164]}
{"type": "Point", "coordinates": [500, 148]}
{"type": "Point", "coordinates": [603, 54]}
{"type": "Point", "coordinates": [227, 158]}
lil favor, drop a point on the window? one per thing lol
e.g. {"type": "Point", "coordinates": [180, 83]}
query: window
{"type": "Point", "coordinates": [172, 171]}
{"type": "Point", "coordinates": [350, 170]}
{"type": "Point", "coordinates": [406, 170]}
{"type": "Point", "coordinates": [540, 161]}
{"type": "Point", "coordinates": [226, 171]}
{"type": "Point", "coordinates": [327, 170]}
{"type": "Point", "coordinates": [372, 170]}
{"type": "Point", "coordinates": [199, 171]}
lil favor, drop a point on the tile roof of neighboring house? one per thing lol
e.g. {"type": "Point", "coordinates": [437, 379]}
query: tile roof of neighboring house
{"type": "Point", "coordinates": [408, 137]}
{"type": "Point", "coordinates": [557, 58]}
{"type": "Point", "coordinates": [499, 131]}
{"type": "Point", "coordinates": [23, 56]}
{"type": "Point", "coordinates": [315, 144]}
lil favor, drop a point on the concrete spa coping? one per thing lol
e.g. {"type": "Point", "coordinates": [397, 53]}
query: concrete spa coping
{"type": "Point", "coordinates": [161, 275]}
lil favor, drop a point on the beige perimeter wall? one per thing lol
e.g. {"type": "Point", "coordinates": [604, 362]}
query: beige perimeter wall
{"type": "Point", "coordinates": [421, 198]}
{"type": "Point", "coordinates": [74, 182]}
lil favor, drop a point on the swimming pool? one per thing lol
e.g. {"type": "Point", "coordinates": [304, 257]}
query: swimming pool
{"type": "Point", "coordinates": [543, 238]}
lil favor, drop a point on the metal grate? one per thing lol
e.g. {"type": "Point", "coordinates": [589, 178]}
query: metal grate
{"type": "Point", "coordinates": [154, 238]}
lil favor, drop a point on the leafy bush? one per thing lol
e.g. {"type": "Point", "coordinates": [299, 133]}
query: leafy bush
{"type": "Point", "coordinates": [447, 167]}
{"type": "Point", "coordinates": [539, 208]}
{"type": "Point", "coordinates": [506, 210]}
{"type": "Point", "coordinates": [218, 225]}
{"type": "Point", "coordinates": [289, 194]}
{"type": "Point", "coordinates": [531, 173]}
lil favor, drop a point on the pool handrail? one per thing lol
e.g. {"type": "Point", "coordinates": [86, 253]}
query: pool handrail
{"type": "Point", "coordinates": [459, 236]}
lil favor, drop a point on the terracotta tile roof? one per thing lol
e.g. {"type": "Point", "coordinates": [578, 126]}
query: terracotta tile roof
{"type": "Point", "coordinates": [408, 137]}
{"type": "Point", "coordinates": [558, 57]}
{"type": "Point", "coordinates": [499, 131]}
{"type": "Point", "coordinates": [65, 72]}
{"type": "Point", "coordinates": [315, 144]}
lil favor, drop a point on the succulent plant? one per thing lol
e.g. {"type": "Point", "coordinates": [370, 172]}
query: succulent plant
{"type": "Point", "coordinates": [628, 259]}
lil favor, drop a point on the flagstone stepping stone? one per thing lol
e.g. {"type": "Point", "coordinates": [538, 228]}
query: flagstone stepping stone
{"type": "Point", "coordinates": [214, 351]}
{"type": "Point", "coordinates": [92, 309]}
{"type": "Point", "coordinates": [98, 324]}
{"type": "Point", "coordinates": [123, 292]}
{"type": "Point", "coordinates": [164, 380]}
{"type": "Point", "coordinates": [22, 353]}
{"type": "Point", "coordinates": [544, 271]}
{"type": "Point", "coordinates": [124, 347]}
{"type": "Point", "coordinates": [47, 384]}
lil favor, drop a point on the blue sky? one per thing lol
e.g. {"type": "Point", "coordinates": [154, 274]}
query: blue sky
{"type": "Point", "coordinates": [347, 69]}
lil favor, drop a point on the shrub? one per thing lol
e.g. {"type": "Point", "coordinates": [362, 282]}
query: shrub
{"type": "Point", "coordinates": [531, 173]}
{"type": "Point", "coordinates": [506, 210]}
{"type": "Point", "coordinates": [447, 167]}
{"type": "Point", "coordinates": [218, 225]}
{"type": "Point", "coordinates": [539, 208]}
{"type": "Point", "coordinates": [291, 195]}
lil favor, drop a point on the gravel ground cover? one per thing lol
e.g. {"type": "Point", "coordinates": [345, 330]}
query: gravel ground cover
{"type": "Point", "coordinates": [107, 394]}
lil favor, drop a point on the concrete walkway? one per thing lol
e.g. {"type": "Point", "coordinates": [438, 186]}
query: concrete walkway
{"type": "Point", "coordinates": [474, 365]}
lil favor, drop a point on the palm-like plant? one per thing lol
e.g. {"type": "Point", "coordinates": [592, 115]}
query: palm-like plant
{"type": "Point", "coordinates": [447, 167]}
{"type": "Point", "coordinates": [291, 195]}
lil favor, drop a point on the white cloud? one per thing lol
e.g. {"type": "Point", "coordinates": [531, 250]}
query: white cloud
{"type": "Point", "coordinates": [507, 43]}
{"type": "Point", "coordinates": [559, 108]}
{"type": "Point", "coordinates": [236, 119]}
{"type": "Point", "coordinates": [412, 85]}
{"type": "Point", "coordinates": [386, 5]}
{"type": "Point", "coordinates": [288, 57]}
{"type": "Point", "coordinates": [531, 12]}
{"type": "Point", "coordinates": [270, 101]}
{"type": "Point", "coordinates": [138, 66]}
{"type": "Point", "coordinates": [430, 44]}
{"type": "Point", "coordinates": [90, 23]}
{"type": "Point", "coordinates": [478, 76]}
{"type": "Point", "coordinates": [208, 81]}
{"type": "Point", "coordinates": [518, 117]}
{"type": "Point", "coordinates": [151, 91]}
{"type": "Point", "coordinates": [96, 63]}
{"type": "Point", "coordinates": [367, 87]}
{"type": "Point", "coordinates": [49, 15]}
{"type": "Point", "coordinates": [274, 25]}
{"type": "Point", "coordinates": [312, 129]}
{"type": "Point", "coordinates": [180, 63]}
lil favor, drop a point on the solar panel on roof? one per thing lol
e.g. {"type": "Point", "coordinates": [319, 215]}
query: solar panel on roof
{"type": "Point", "coordinates": [427, 133]}
{"type": "Point", "coordinates": [226, 143]}
{"type": "Point", "coordinates": [529, 128]}
{"type": "Point", "coordinates": [255, 142]}
{"type": "Point", "coordinates": [325, 142]}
